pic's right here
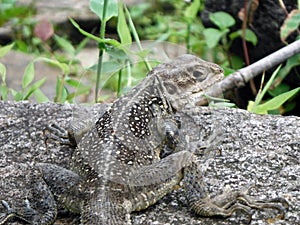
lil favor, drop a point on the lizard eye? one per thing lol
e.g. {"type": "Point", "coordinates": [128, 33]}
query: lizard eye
{"type": "Point", "coordinates": [199, 75]}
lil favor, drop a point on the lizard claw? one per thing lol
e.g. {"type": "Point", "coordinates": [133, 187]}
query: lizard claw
{"type": "Point", "coordinates": [4, 217]}
{"type": "Point", "coordinates": [58, 133]}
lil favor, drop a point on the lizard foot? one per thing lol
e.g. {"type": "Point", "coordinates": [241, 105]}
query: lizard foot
{"type": "Point", "coordinates": [10, 213]}
{"type": "Point", "coordinates": [70, 136]}
{"type": "Point", "coordinates": [58, 133]}
{"type": "Point", "coordinates": [27, 215]}
{"type": "Point", "coordinates": [226, 204]}
{"type": "Point", "coordinates": [28, 212]}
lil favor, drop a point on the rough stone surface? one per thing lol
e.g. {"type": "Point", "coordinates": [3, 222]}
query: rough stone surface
{"type": "Point", "coordinates": [243, 149]}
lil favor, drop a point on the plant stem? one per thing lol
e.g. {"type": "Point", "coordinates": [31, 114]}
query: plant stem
{"type": "Point", "coordinates": [245, 48]}
{"type": "Point", "coordinates": [101, 49]}
{"type": "Point", "coordinates": [119, 82]}
{"type": "Point", "coordinates": [136, 37]}
{"type": "Point", "coordinates": [103, 21]}
{"type": "Point", "coordinates": [188, 34]}
{"type": "Point", "coordinates": [99, 68]}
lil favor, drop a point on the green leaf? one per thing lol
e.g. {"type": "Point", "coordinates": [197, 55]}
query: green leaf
{"type": "Point", "coordinates": [227, 70]}
{"type": "Point", "coordinates": [28, 74]}
{"type": "Point", "coordinates": [65, 44]}
{"type": "Point", "coordinates": [81, 45]}
{"type": "Point", "coordinates": [80, 88]}
{"type": "Point", "coordinates": [290, 63]}
{"type": "Point", "coordinates": [192, 10]}
{"type": "Point", "coordinates": [3, 72]}
{"type": "Point", "coordinates": [218, 102]}
{"type": "Point", "coordinates": [222, 20]}
{"type": "Point", "coordinates": [34, 87]}
{"type": "Point", "coordinates": [111, 67]}
{"type": "Point", "coordinates": [97, 7]}
{"type": "Point", "coordinates": [18, 96]}
{"type": "Point", "coordinates": [275, 102]}
{"type": "Point", "coordinates": [213, 36]}
{"type": "Point", "coordinates": [117, 54]}
{"type": "Point", "coordinates": [237, 62]}
{"type": "Point", "coordinates": [250, 36]}
{"type": "Point", "coordinates": [57, 89]}
{"type": "Point", "coordinates": [290, 24]}
{"type": "Point", "coordinates": [4, 92]}
{"type": "Point", "coordinates": [122, 26]}
{"type": "Point", "coordinates": [40, 96]}
{"type": "Point", "coordinates": [22, 46]}
{"type": "Point", "coordinates": [95, 38]}
{"type": "Point", "coordinates": [7, 4]}
{"type": "Point", "coordinates": [5, 49]}
{"type": "Point", "coordinates": [61, 91]}
{"type": "Point", "coordinates": [251, 105]}
{"type": "Point", "coordinates": [262, 92]}
{"type": "Point", "coordinates": [63, 66]}
{"type": "Point", "coordinates": [73, 83]}
{"type": "Point", "coordinates": [279, 89]}
{"type": "Point", "coordinates": [222, 104]}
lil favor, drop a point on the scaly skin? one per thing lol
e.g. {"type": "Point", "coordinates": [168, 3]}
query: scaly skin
{"type": "Point", "coordinates": [133, 155]}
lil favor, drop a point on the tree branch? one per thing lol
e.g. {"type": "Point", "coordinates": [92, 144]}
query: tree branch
{"type": "Point", "coordinates": [241, 77]}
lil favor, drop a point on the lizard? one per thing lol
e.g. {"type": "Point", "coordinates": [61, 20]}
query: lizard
{"type": "Point", "coordinates": [120, 165]}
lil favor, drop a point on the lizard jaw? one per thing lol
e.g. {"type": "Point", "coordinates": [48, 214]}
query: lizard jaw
{"type": "Point", "coordinates": [199, 92]}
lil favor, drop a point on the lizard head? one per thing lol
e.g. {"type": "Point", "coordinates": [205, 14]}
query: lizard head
{"type": "Point", "coordinates": [185, 79]}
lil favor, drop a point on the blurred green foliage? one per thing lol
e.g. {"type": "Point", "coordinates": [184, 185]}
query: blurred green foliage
{"type": "Point", "coordinates": [175, 22]}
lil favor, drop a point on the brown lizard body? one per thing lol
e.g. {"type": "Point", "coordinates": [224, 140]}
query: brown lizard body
{"type": "Point", "coordinates": [132, 156]}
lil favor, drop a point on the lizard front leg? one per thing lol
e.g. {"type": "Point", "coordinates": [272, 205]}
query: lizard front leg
{"type": "Point", "coordinates": [68, 136]}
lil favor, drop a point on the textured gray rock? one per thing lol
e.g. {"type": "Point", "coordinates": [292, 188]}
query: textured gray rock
{"type": "Point", "coordinates": [243, 149]}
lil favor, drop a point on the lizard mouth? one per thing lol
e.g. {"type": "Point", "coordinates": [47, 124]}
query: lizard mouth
{"type": "Point", "coordinates": [210, 88]}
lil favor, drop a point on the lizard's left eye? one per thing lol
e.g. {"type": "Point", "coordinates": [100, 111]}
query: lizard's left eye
{"type": "Point", "coordinates": [199, 75]}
